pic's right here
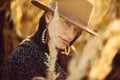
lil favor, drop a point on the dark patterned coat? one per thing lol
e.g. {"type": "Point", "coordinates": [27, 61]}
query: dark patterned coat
{"type": "Point", "coordinates": [27, 62]}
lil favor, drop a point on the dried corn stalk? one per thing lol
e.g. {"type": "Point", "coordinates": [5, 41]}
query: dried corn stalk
{"type": "Point", "coordinates": [112, 45]}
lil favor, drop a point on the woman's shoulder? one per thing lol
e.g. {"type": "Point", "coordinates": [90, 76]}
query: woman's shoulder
{"type": "Point", "coordinates": [27, 49]}
{"type": "Point", "coordinates": [26, 59]}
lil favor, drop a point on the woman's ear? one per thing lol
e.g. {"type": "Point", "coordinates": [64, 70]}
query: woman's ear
{"type": "Point", "coordinates": [48, 16]}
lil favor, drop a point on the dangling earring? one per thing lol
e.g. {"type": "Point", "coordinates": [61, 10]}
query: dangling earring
{"type": "Point", "coordinates": [45, 36]}
{"type": "Point", "coordinates": [67, 50]}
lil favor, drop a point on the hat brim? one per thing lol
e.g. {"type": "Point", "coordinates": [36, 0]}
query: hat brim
{"type": "Point", "coordinates": [40, 5]}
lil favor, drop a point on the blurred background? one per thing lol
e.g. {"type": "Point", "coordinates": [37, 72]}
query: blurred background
{"type": "Point", "coordinates": [19, 19]}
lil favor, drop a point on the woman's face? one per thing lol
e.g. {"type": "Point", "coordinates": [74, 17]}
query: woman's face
{"type": "Point", "coordinates": [61, 31]}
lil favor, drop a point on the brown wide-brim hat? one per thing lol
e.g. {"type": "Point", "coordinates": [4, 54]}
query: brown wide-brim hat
{"type": "Point", "coordinates": [76, 11]}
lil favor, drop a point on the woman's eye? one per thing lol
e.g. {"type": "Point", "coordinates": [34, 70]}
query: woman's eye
{"type": "Point", "coordinates": [76, 29]}
{"type": "Point", "coordinates": [67, 23]}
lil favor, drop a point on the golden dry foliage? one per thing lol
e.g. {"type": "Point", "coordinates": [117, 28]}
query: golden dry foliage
{"type": "Point", "coordinates": [96, 54]}
{"type": "Point", "coordinates": [99, 52]}
{"type": "Point", "coordinates": [25, 17]}
{"type": "Point", "coordinates": [108, 52]}
{"type": "Point", "coordinates": [8, 34]}
{"type": "Point", "coordinates": [23, 21]}
{"type": "Point", "coordinates": [51, 61]}
{"type": "Point", "coordinates": [51, 75]}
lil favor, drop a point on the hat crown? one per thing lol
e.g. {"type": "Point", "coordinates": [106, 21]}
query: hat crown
{"type": "Point", "coordinates": [79, 10]}
{"type": "Point", "coordinates": [76, 11]}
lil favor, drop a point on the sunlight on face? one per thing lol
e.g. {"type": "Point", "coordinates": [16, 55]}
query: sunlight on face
{"type": "Point", "coordinates": [61, 31]}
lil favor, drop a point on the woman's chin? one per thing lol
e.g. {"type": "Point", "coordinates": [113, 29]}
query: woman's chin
{"type": "Point", "coordinates": [60, 46]}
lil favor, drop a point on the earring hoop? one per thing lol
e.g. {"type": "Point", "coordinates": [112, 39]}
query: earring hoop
{"type": "Point", "coordinates": [45, 36]}
{"type": "Point", "coordinates": [67, 49]}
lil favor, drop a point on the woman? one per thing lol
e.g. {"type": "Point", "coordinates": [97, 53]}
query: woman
{"type": "Point", "coordinates": [28, 59]}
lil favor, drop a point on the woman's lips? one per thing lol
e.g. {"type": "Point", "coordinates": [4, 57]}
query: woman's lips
{"type": "Point", "coordinates": [64, 40]}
